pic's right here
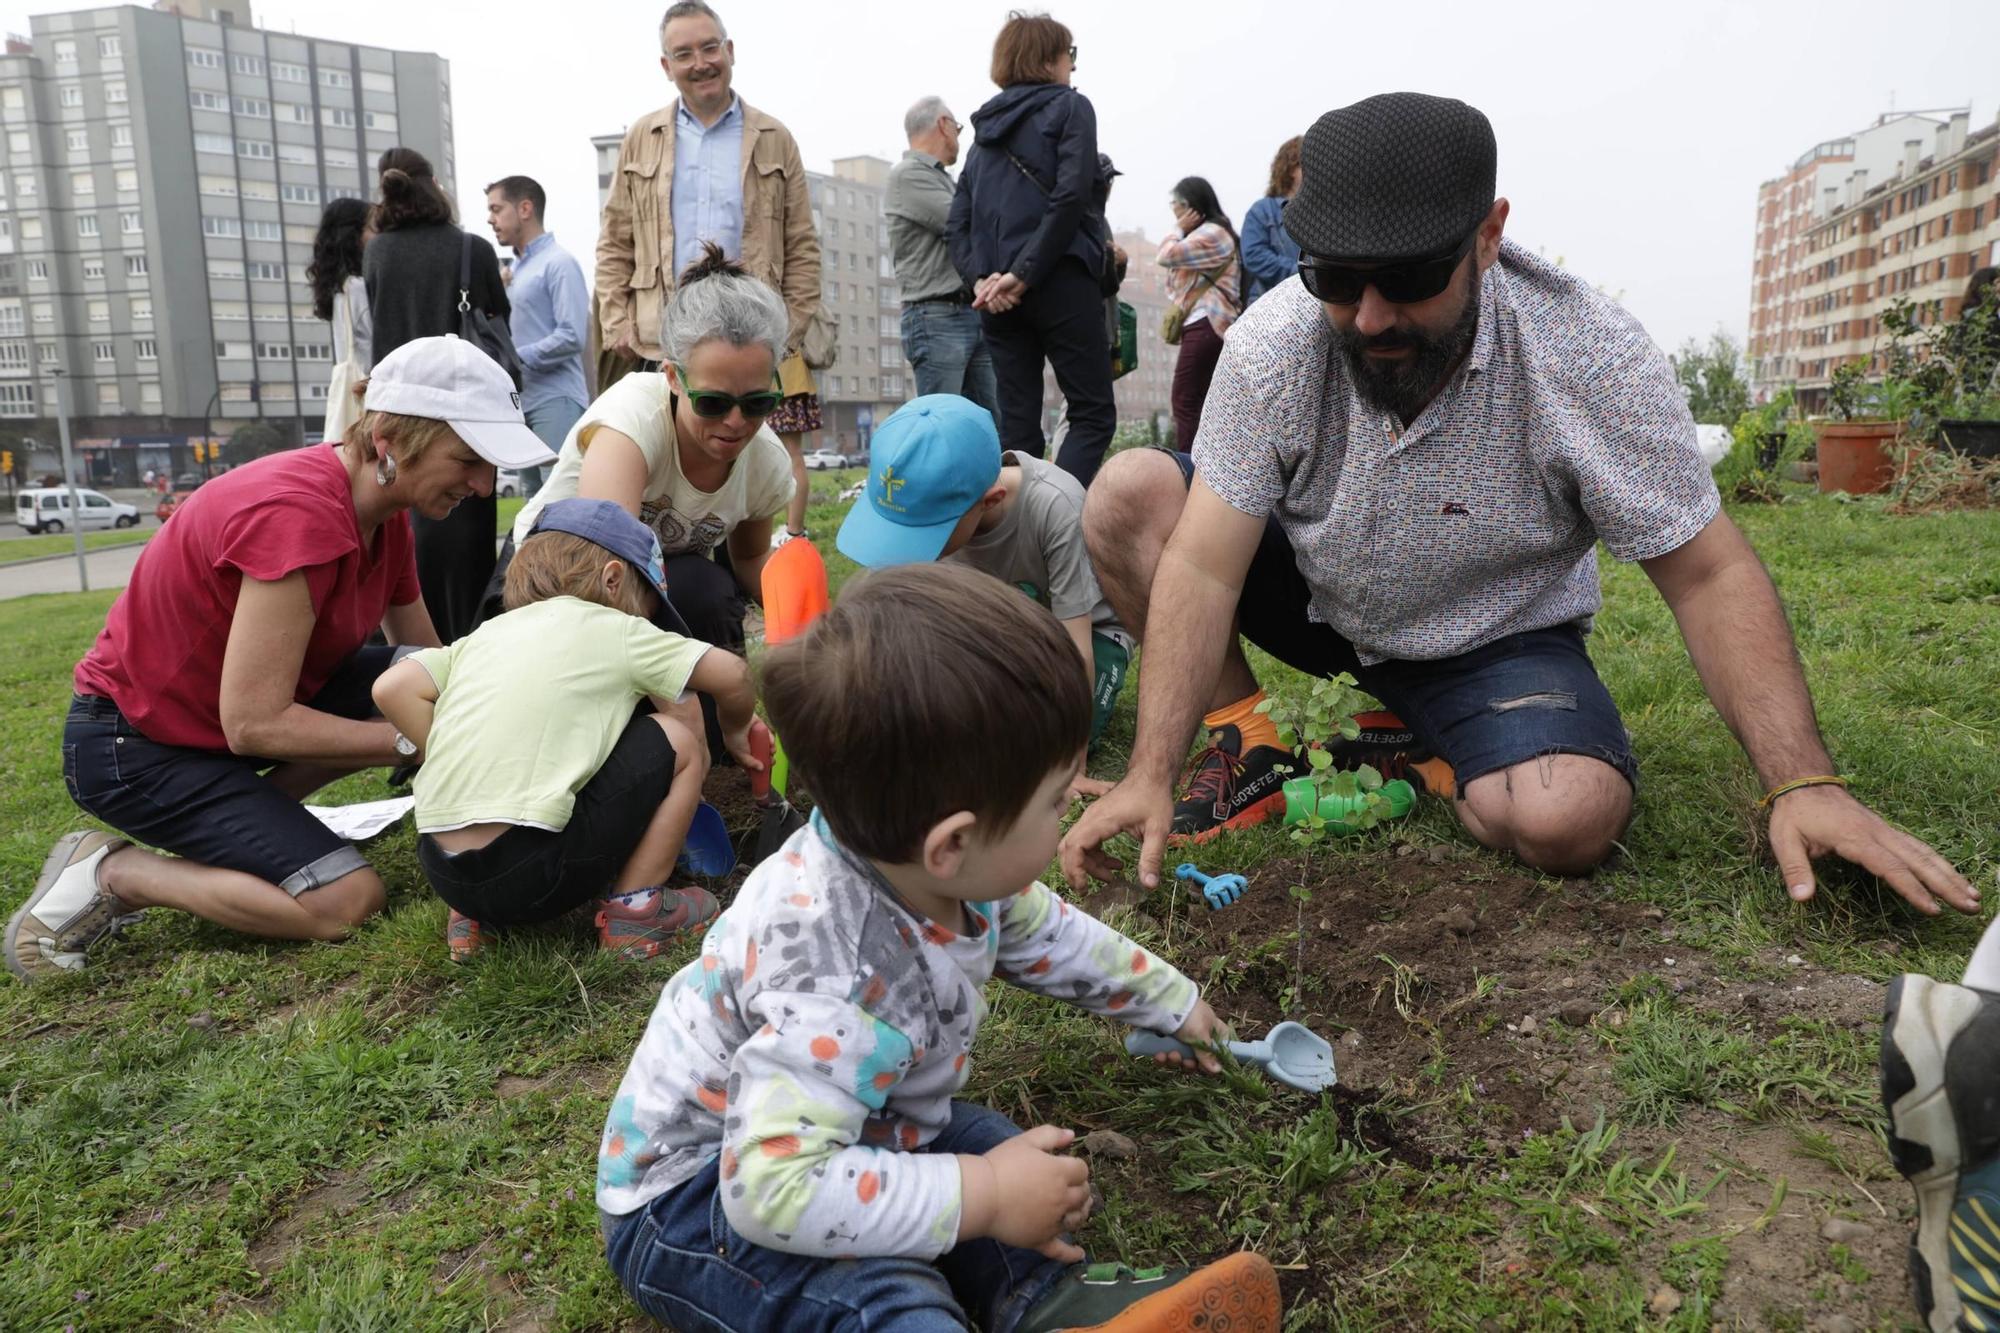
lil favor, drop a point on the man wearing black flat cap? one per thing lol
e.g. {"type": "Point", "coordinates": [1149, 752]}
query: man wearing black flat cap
{"type": "Point", "coordinates": [1404, 465]}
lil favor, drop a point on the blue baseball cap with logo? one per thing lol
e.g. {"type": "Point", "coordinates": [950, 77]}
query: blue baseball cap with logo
{"type": "Point", "coordinates": [928, 464]}
{"type": "Point", "coordinates": [607, 525]}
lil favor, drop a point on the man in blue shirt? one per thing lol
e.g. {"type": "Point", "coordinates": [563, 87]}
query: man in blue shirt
{"type": "Point", "coordinates": [551, 316]}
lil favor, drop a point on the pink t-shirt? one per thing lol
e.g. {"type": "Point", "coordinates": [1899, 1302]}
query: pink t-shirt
{"type": "Point", "coordinates": [159, 657]}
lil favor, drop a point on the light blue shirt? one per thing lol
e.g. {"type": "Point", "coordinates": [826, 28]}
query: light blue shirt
{"type": "Point", "coordinates": [708, 184]}
{"type": "Point", "coordinates": [550, 320]}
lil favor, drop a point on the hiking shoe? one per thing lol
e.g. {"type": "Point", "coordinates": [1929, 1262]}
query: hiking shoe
{"type": "Point", "coordinates": [463, 936]}
{"type": "Point", "coordinates": [1389, 746]}
{"type": "Point", "coordinates": [641, 933]}
{"type": "Point", "coordinates": [1941, 1085]}
{"type": "Point", "coordinates": [1234, 1295]}
{"type": "Point", "coordinates": [67, 912]}
{"type": "Point", "coordinates": [1229, 787]}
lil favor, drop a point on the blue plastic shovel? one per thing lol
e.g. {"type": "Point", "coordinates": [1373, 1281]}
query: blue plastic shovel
{"type": "Point", "coordinates": [707, 850]}
{"type": "Point", "coordinates": [1289, 1053]}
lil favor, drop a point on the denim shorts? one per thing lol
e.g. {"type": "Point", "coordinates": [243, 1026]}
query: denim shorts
{"type": "Point", "coordinates": [530, 874]}
{"type": "Point", "coordinates": [209, 806]}
{"type": "Point", "coordinates": [1504, 703]}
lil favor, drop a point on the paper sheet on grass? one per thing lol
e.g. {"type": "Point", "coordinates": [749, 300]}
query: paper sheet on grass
{"type": "Point", "coordinates": [365, 820]}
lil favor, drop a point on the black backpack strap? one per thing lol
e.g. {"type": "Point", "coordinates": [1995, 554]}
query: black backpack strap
{"type": "Point", "coordinates": [464, 272]}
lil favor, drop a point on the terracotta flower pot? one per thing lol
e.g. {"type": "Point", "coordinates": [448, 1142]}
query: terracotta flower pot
{"type": "Point", "coordinates": [1854, 456]}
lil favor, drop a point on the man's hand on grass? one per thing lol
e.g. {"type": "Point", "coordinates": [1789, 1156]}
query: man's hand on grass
{"type": "Point", "coordinates": [1816, 821]}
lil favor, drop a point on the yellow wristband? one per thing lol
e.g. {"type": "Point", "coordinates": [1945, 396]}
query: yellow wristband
{"type": "Point", "coordinates": [1822, 780]}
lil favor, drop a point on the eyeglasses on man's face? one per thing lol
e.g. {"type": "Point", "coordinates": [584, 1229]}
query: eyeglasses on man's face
{"type": "Point", "coordinates": [684, 56]}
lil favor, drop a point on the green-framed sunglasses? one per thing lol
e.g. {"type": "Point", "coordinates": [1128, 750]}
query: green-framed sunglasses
{"type": "Point", "coordinates": [715, 405]}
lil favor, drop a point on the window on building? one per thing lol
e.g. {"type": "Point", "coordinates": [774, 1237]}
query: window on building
{"type": "Point", "coordinates": [13, 356]}
{"type": "Point", "coordinates": [10, 319]}
{"type": "Point", "coordinates": [202, 100]}
{"type": "Point", "coordinates": [131, 223]}
{"type": "Point", "coordinates": [65, 52]}
{"type": "Point", "coordinates": [254, 148]}
{"type": "Point", "coordinates": [107, 398]}
{"type": "Point", "coordinates": [103, 353]}
{"type": "Point", "coordinates": [336, 78]}
{"type": "Point", "coordinates": [214, 143]}
{"type": "Point", "coordinates": [98, 311]}
{"type": "Point", "coordinates": [149, 397]}
{"type": "Point", "coordinates": [126, 179]}
{"type": "Point", "coordinates": [86, 224]}
{"type": "Point", "coordinates": [377, 81]}
{"type": "Point", "coordinates": [114, 93]}
{"type": "Point", "coordinates": [121, 135]}
{"type": "Point", "coordinates": [201, 57]}
{"type": "Point", "coordinates": [43, 312]}
{"type": "Point", "coordinates": [38, 270]}
{"type": "Point", "coordinates": [109, 47]}
{"type": "Point", "coordinates": [264, 271]}
{"type": "Point", "coordinates": [82, 182]}
{"type": "Point", "coordinates": [224, 227]}
{"type": "Point", "coordinates": [256, 108]}
{"type": "Point", "coordinates": [226, 269]}
{"type": "Point", "coordinates": [142, 309]}
{"type": "Point", "coordinates": [337, 116]}
{"type": "Point", "coordinates": [76, 142]}
{"type": "Point", "coordinates": [298, 155]}
{"type": "Point", "coordinates": [258, 230]}
{"type": "Point", "coordinates": [340, 157]}
{"type": "Point", "coordinates": [93, 269]}
{"type": "Point", "coordinates": [31, 229]}
{"type": "Point", "coordinates": [13, 97]}
{"type": "Point", "coordinates": [300, 194]}
{"type": "Point", "coordinates": [17, 400]}
{"type": "Point", "coordinates": [274, 351]}
{"type": "Point", "coordinates": [223, 187]}
{"type": "Point", "coordinates": [135, 266]}
{"type": "Point", "coordinates": [380, 120]}
{"type": "Point", "coordinates": [236, 393]}
{"type": "Point", "coordinates": [285, 72]}
{"type": "Point", "coordinates": [19, 143]}
{"type": "Point", "coordinates": [313, 351]}
{"type": "Point", "coordinates": [70, 94]}
{"type": "Point", "coordinates": [247, 64]}
{"type": "Point", "coordinates": [296, 113]}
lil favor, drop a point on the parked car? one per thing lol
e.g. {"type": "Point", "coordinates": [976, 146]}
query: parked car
{"type": "Point", "coordinates": [46, 509]}
{"type": "Point", "coordinates": [169, 503]}
{"type": "Point", "coordinates": [187, 481]}
{"type": "Point", "coordinates": [821, 460]}
{"type": "Point", "coordinates": [506, 483]}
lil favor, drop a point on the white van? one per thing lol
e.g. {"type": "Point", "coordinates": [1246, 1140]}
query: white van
{"type": "Point", "coordinates": [46, 509]}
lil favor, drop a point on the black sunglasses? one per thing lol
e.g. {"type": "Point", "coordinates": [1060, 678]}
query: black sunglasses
{"type": "Point", "coordinates": [1072, 57]}
{"type": "Point", "coordinates": [1399, 284]}
{"type": "Point", "coordinates": [715, 405]}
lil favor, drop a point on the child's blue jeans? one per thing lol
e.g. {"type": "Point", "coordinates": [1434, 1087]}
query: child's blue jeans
{"type": "Point", "coordinates": [687, 1267]}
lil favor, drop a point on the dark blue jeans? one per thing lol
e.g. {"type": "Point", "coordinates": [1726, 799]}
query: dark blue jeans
{"type": "Point", "coordinates": [686, 1266]}
{"type": "Point", "coordinates": [947, 352]}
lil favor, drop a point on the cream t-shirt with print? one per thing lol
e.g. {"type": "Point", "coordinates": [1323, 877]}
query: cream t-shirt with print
{"type": "Point", "coordinates": [686, 518]}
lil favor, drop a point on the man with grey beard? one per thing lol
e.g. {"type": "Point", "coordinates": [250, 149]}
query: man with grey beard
{"type": "Point", "coordinates": [1405, 463]}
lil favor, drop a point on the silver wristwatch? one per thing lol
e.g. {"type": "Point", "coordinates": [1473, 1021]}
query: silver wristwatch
{"type": "Point", "coordinates": [404, 745]}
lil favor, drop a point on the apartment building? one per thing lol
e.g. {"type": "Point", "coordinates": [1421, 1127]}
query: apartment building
{"type": "Point", "coordinates": [1905, 209]}
{"type": "Point", "coordinates": [161, 184]}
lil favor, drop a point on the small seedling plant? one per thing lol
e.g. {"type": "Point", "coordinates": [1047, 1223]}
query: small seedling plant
{"type": "Point", "coordinates": [1328, 710]}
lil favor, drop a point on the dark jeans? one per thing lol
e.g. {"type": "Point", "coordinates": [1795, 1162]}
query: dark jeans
{"type": "Point", "coordinates": [455, 561]}
{"type": "Point", "coordinates": [528, 875]}
{"type": "Point", "coordinates": [1201, 347]}
{"type": "Point", "coordinates": [1060, 320]}
{"type": "Point", "coordinates": [686, 1266]}
{"type": "Point", "coordinates": [208, 806]}
{"type": "Point", "coordinates": [1500, 704]}
{"type": "Point", "coordinates": [947, 352]}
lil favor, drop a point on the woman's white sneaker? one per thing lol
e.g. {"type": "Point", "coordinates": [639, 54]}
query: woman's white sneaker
{"type": "Point", "coordinates": [67, 913]}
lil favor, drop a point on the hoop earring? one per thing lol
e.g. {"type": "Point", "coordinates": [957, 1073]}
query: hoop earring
{"type": "Point", "coordinates": [385, 469]}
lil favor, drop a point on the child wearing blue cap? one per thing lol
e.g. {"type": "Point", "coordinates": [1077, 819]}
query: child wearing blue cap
{"type": "Point", "coordinates": [939, 488]}
{"type": "Point", "coordinates": [540, 789]}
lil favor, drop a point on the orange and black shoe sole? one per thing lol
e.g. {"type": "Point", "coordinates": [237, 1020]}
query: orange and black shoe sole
{"type": "Point", "coordinates": [1251, 815]}
{"type": "Point", "coordinates": [1234, 1295]}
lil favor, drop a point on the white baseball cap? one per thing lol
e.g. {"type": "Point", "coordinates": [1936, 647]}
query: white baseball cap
{"type": "Point", "coordinates": [450, 380]}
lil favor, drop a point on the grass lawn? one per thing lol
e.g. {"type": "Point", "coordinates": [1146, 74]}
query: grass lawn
{"type": "Point", "coordinates": [63, 543]}
{"type": "Point", "coordinates": [1629, 1101]}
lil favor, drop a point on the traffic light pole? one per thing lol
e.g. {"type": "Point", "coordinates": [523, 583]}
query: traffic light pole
{"type": "Point", "coordinates": [69, 480]}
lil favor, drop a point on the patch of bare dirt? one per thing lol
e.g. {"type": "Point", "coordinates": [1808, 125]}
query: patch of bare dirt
{"type": "Point", "coordinates": [339, 1195]}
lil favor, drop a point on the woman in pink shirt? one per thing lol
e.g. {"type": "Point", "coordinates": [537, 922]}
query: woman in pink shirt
{"type": "Point", "coordinates": [232, 676]}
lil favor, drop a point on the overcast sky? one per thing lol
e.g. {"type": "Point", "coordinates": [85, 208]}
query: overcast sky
{"type": "Point", "coordinates": [1632, 137]}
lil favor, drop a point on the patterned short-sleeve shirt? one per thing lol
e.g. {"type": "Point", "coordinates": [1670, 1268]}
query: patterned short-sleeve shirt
{"type": "Point", "coordinates": [1564, 426]}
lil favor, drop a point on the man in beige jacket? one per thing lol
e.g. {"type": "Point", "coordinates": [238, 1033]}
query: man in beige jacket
{"type": "Point", "coordinates": [706, 167]}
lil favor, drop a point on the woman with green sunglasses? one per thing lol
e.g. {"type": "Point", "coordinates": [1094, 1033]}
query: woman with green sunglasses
{"type": "Point", "coordinates": [686, 449]}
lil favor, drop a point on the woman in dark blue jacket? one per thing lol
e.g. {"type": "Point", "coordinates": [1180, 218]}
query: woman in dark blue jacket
{"type": "Point", "coordinates": [1025, 233]}
{"type": "Point", "coordinates": [1269, 253]}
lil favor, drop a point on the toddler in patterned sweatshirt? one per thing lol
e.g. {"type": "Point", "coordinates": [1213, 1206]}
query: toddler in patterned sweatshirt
{"type": "Point", "coordinates": [785, 1151]}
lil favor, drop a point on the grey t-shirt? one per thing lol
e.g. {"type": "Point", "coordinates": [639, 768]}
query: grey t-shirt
{"type": "Point", "coordinates": [1039, 547]}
